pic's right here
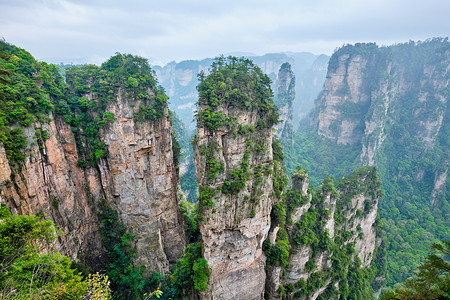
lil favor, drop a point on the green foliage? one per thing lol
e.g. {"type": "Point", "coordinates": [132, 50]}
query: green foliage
{"type": "Point", "coordinates": [238, 83]}
{"type": "Point", "coordinates": [212, 168]}
{"type": "Point", "coordinates": [278, 214]}
{"type": "Point", "coordinates": [320, 156]}
{"type": "Point", "coordinates": [245, 129]}
{"type": "Point", "coordinates": [191, 272]}
{"type": "Point", "coordinates": [237, 178]}
{"type": "Point", "coordinates": [431, 280]}
{"type": "Point", "coordinates": [98, 287]}
{"type": "Point", "coordinates": [25, 273]}
{"type": "Point", "coordinates": [154, 110]}
{"type": "Point", "coordinates": [310, 265]}
{"type": "Point", "coordinates": [205, 196]}
{"type": "Point", "coordinates": [190, 215]}
{"type": "Point", "coordinates": [27, 90]}
{"type": "Point", "coordinates": [278, 253]}
{"type": "Point", "coordinates": [307, 229]}
{"type": "Point", "coordinates": [328, 187]}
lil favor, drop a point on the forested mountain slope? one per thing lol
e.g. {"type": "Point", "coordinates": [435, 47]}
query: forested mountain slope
{"type": "Point", "coordinates": [95, 153]}
{"type": "Point", "coordinates": [388, 106]}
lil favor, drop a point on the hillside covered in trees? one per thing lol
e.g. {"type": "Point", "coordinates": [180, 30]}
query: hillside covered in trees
{"type": "Point", "coordinates": [388, 107]}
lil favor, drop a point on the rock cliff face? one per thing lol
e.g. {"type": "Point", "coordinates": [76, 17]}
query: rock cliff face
{"type": "Point", "coordinates": [49, 182]}
{"type": "Point", "coordinates": [343, 86]}
{"type": "Point", "coordinates": [365, 88]}
{"type": "Point", "coordinates": [139, 179]}
{"type": "Point", "coordinates": [234, 166]}
{"type": "Point", "coordinates": [319, 227]}
{"type": "Point", "coordinates": [132, 170]}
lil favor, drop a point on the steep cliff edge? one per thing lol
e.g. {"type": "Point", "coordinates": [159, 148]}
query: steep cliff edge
{"type": "Point", "coordinates": [328, 241]}
{"type": "Point", "coordinates": [235, 170]}
{"type": "Point", "coordinates": [107, 137]}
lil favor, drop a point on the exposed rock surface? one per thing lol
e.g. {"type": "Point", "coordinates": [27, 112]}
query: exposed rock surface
{"type": "Point", "coordinates": [139, 179]}
{"type": "Point", "coordinates": [51, 183]}
{"type": "Point", "coordinates": [343, 85]}
{"type": "Point", "coordinates": [234, 228]}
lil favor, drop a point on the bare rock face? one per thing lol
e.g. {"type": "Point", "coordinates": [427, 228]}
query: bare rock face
{"type": "Point", "coordinates": [343, 85]}
{"type": "Point", "coordinates": [50, 182]}
{"type": "Point", "coordinates": [284, 99]}
{"type": "Point", "coordinates": [139, 179]}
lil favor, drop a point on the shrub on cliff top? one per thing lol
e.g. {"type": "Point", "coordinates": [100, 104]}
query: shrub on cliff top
{"type": "Point", "coordinates": [239, 83]}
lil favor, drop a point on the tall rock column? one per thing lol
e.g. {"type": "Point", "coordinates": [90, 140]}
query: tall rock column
{"type": "Point", "coordinates": [284, 99]}
{"type": "Point", "coordinates": [234, 165]}
{"type": "Point", "coordinates": [139, 177]}
{"type": "Point", "coordinates": [137, 170]}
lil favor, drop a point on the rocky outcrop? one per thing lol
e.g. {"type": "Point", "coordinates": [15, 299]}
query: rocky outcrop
{"type": "Point", "coordinates": [343, 101]}
{"type": "Point", "coordinates": [339, 219]}
{"type": "Point", "coordinates": [234, 169]}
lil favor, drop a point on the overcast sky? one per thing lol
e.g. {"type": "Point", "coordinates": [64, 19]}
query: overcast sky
{"type": "Point", "coordinates": [93, 30]}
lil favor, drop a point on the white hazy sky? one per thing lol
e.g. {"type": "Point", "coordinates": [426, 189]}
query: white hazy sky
{"type": "Point", "coordinates": [164, 30]}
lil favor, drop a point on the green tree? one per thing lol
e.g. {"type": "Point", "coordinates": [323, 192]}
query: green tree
{"type": "Point", "coordinates": [431, 281]}
{"type": "Point", "coordinates": [25, 272]}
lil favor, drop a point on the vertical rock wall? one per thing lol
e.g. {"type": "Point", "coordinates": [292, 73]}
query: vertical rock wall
{"type": "Point", "coordinates": [50, 182]}
{"type": "Point", "coordinates": [235, 226]}
{"type": "Point", "coordinates": [234, 165]}
{"type": "Point", "coordinates": [139, 179]}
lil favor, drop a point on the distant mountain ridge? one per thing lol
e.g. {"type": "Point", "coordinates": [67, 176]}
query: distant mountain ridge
{"type": "Point", "coordinates": [180, 81]}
